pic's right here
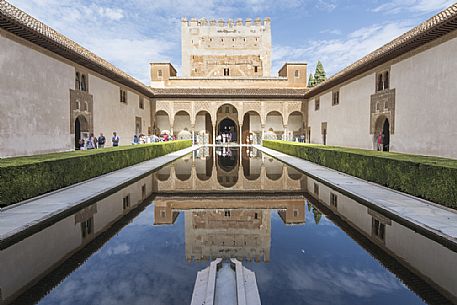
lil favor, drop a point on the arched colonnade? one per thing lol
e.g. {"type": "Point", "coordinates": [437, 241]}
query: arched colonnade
{"type": "Point", "coordinates": [241, 122]}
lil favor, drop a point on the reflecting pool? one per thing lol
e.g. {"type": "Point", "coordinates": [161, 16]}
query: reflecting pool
{"type": "Point", "coordinates": [307, 243]}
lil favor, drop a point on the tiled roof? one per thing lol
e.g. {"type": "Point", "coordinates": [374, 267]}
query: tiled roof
{"type": "Point", "coordinates": [25, 26]}
{"type": "Point", "coordinates": [229, 92]}
{"type": "Point", "coordinates": [435, 27]}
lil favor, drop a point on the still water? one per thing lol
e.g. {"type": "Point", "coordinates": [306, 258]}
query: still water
{"type": "Point", "coordinates": [307, 243]}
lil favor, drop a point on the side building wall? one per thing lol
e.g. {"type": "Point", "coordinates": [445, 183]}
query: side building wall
{"type": "Point", "coordinates": [34, 106]}
{"type": "Point", "coordinates": [38, 111]}
{"type": "Point", "coordinates": [419, 104]}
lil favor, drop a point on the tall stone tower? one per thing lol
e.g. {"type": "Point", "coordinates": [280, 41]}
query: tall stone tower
{"type": "Point", "coordinates": [226, 48]}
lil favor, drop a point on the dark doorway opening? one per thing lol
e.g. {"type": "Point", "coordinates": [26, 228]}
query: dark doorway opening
{"type": "Point", "coordinates": [77, 133]}
{"type": "Point", "coordinates": [228, 127]}
{"type": "Point", "coordinates": [80, 127]}
{"type": "Point", "coordinates": [385, 135]}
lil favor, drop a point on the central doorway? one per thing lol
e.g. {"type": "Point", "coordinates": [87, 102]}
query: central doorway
{"type": "Point", "coordinates": [227, 131]}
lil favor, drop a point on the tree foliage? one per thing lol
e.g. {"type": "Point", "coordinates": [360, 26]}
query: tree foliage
{"type": "Point", "coordinates": [319, 75]}
{"type": "Point", "coordinates": [311, 81]}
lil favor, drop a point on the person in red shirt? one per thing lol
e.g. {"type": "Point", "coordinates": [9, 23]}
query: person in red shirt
{"type": "Point", "coordinates": [380, 141]}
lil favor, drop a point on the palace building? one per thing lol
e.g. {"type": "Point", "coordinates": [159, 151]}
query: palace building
{"type": "Point", "coordinates": [55, 91]}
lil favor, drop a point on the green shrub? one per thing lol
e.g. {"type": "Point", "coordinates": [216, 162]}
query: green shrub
{"type": "Point", "coordinates": [27, 177]}
{"type": "Point", "coordinates": [431, 178]}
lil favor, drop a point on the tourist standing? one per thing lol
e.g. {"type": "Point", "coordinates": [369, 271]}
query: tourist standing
{"type": "Point", "coordinates": [95, 141]}
{"type": "Point", "coordinates": [90, 143]}
{"type": "Point", "coordinates": [82, 144]}
{"type": "Point", "coordinates": [101, 141]}
{"type": "Point", "coordinates": [136, 140]}
{"type": "Point", "coordinates": [380, 141]}
{"type": "Point", "coordinates": [115, 139]}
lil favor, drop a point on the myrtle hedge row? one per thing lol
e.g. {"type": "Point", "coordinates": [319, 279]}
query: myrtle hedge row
{"type": "Point", "coordinates": [431, 178]}
{"type": "Point", "coordinates": [26, 177]}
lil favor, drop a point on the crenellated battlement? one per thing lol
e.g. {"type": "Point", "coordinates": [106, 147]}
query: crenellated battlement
{"type": "Point", "coordinates": [203, 22]}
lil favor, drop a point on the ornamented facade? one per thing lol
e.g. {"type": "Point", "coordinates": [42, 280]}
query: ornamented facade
{"type": "Point", "coordinates": [226, 86]}
{"type": "Point", "coordinates": [403, 91]}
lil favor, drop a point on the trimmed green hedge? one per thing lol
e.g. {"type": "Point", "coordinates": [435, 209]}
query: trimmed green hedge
{"type": "Point", "coordinates": [27, 177]}
{"type": "Point", "coordinates": [431, 178]}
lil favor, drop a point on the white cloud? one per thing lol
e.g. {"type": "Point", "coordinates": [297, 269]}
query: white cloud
{"type": "Point", "coordinates": [133, 55]}
{"type": "Point", "coordinates": [118, 249]}
{"type": "Point", "coordinates": [106, 31]}
{"type": "Point", "coordinates": [326, 5]}
{"type": "Point", "coordinates": [110, 13]}
{"type": "Point", "coordinates": [336, 54]}
{"type": "Point", "coordinates": [331, 31]}
{"type": "Point", "coordinates": [335, 281]}
{"type": "Point", "coordinates": [419, 6]}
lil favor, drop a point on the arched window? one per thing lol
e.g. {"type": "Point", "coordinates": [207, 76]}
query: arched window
{"type": "Point", "coordinates": [386, 80]}
{"type": "Point", "coordinates": [379, 85]}
{"type": "Point", "coordinates": [382, 81]}
{"type": "Point", "coordinates": [77, 81]}
{"type": "Point", "coordinates": [83, 83]}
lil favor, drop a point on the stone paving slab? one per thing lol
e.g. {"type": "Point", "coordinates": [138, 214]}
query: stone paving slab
{"type": "Point", "coordinates": [18, 218]}
{"type": "Point", "coordinates": [420, 214]}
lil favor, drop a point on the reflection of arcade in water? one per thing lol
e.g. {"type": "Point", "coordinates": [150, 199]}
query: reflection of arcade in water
{"type": "Point", "coordinates": [222, 195]}
{"type": "Point", "coordinates": [225, 169]}
{"type": "Point", "coordinates": [228, 227]}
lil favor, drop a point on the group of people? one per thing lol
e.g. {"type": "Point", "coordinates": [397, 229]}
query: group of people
{"type": "Point", "coordinates": [93, 142]}
{"type": "Point", "coordinates": [225, 137]}
{"type": "Point", "coordinates": [142, 139]}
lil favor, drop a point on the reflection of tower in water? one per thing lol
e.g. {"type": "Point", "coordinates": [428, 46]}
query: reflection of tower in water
{"type": "Point", "coordinates": [226, 233]}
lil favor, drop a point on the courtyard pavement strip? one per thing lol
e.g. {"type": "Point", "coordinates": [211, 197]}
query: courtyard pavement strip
{"type": "Point", "coordinates": [432, 220]}
{"type": "Point", "coordinates": [25, 218]}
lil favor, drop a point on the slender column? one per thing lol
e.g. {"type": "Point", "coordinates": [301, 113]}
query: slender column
{"type": "Point", "coordinates": [263, 133]}
{"type": "Point", "coordinates": [171, 131]}
{"type": "Point", "coordinates": [214, 134]}
{"type": "Point", "coordinates": [241, 135]}
{"type": "Point", "coordinates": [285, 133]}
{"type": "Point", "coordinates": [193, 135]}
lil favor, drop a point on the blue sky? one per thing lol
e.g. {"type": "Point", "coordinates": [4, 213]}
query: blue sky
{"type": "Point", "coordinates": [132, 33]}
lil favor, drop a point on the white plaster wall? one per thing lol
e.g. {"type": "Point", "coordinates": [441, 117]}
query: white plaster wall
{"type": "Point", "coordinates": [426, 97]}
{"type": "Point", "coordinates": [425, 102]}
{"type": "Point", "coordinates": [348, 123]}
{"type": "Point", "coordinates": [112, 115]}
{"type": "Point", "coordinates": [35, 101]}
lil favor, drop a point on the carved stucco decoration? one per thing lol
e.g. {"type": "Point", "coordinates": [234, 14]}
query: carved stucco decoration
{"type": "Point", "coordinates": [81, 104]}
{"type": "Point", "coordinates": [382, 106]}
{"type": "Point", "coordinates": [263, 108]}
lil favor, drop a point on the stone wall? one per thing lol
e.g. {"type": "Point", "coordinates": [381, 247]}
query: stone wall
{"type": "Point", "coordinates": [209, 46]}
{"type": "Point", "coordinates": [39, 102]}
{"type": "Point", "coordinates": [419, 105]}
{"type": "Point", "coordinates": [35, 99]}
